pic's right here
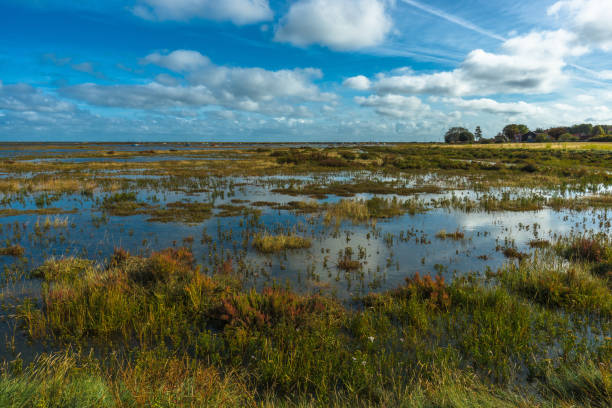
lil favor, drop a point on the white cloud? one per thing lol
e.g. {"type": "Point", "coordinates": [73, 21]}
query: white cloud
{"type": "Point", "coordinates": [179, 60]}
{"type": "Point", "coordinates": [359, 82]}
{"type": "Point", "coordinates": [531, 64]}
{"type": "Point", "coordinates": [150, 96]}
{"type": "Point", "coordinates": [397, 106]}
{"type": "Point", "coordinates": [491, 106]}
{"type": "Point", "coordinates": [338, 24]}
{"type": "Point", "coordinates": [606, 75]}
{"type": "Point", "coordinates": [590, 19]}
{"type": "Point", "coordinates": [206, 84]}
{"type": "Point", "coordinates": [25, 98]}
{"type": "Point", "coordinates": [239, 12]}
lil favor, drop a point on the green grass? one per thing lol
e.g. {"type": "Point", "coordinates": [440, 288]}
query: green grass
{"type": "Point", "coordinates": [186, 339]}
{"type": "Point", "coordinates": [374, 208]}
{"type": "Point", "coordinates": [553, 284]}
{"type": "Point", "coordinates": [277, 243]}
{"type": "Point", "coordinates": [594, 251]}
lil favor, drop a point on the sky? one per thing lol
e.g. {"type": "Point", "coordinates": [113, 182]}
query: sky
{"type": "Point", "coordinates": [299, 70]}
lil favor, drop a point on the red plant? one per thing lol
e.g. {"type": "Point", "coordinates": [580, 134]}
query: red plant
{"type": "Point", "coordinates": [268, 308]}
{"type": "Point", "coordinates": [119, 256]}
{"type": "Point", "coordinates": [588, 249]}
{"type": "Point", "coordinates": [227, 267]}
{"type": "Point", "coordinates": [166, 265]}
{"type": "Point", "coordinates": [434, 291]}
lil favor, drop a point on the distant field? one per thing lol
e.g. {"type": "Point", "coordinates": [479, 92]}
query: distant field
{"type": "Point", "coordinates": [548, 145]}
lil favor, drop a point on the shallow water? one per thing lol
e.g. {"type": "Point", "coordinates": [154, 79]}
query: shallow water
{"type": "Point", "coordinates": [392, 250]}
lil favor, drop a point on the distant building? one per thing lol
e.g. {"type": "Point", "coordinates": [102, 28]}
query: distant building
{"type": "Point", "coordinates": [529, 137]}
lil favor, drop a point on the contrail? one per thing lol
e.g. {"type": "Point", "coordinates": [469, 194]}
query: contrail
{"type": "Point", "coordinates": [466, 24]}
{"type": "Point", "coordinates": [601, 77]}
{"type": "Point", "coordinates": [454, 19]}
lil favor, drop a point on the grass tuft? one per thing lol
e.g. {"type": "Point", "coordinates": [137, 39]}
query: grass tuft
{"type": "Point", "coordinates": [277, 243]}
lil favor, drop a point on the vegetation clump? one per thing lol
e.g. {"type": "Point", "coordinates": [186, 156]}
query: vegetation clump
{"type": "Point", "coordinates": [365, 210]}
{"type": "Point", "coordinates": [347, 263]}
{"type": "Point", "coordinates": [539, 243]}
{"type": "Point", "coordinates": [13, 250]}
{"type": "Point", "coordinates": [513, 253]}
{"type": "Point", "coordinates": [277, 243]}
{"type": "Point", "coordinates": [588, 249]}
{"type": "Point", "coordinates": [554, 285]}
{"type": "Point", "coordinates": [432, 291]}
{"type": "Point", "coordinates": [62, 270]}
{"type": "Point", "coordinates": [187, 212]}
{"type": "Point", "coordinates": [456, 235]}
{"type": "Point", "coordinates": [595, 251]}
{"type": "Point", "coordinates": [123, 204]}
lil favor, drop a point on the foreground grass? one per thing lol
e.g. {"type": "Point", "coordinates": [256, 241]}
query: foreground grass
{"type": "Point", "coordinates": [167, 335]}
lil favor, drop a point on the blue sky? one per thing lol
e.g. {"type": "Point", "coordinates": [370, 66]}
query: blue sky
{"type": "Point", "coordinates": [299, 70]}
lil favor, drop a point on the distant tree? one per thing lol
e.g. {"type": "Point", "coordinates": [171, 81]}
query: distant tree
{"type": "Point", "coordinates": [513, 131]}
{"type": "Point", "coordinates": [556, 132]}
{"type": "Point", "coordinates": [478, 133]}
{"type": "Point", "coordinates": [458, 135]}
{"type": "Point", "coordinates": [568, 137]}
{"type": "Point", "coordinates": [542, 137]}
{"type": "Point", "coordinates": [598, 131]}
{"type": "Point", "coordinates": [584, 129]}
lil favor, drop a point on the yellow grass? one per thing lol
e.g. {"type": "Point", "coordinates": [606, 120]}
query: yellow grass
{"type": "Point", "coordinates": [276, 243]}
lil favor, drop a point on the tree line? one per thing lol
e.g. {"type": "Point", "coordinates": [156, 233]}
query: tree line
{"type": "Point", "coordinates": [517, 133]}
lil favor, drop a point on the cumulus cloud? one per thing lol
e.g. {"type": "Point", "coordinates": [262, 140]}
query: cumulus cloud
{"type": "Point", "coordinates": [491, 106]}
{"type": "Point", "coordinates": [338, 24]}
{"type": "Point", "coordinates": [589, 19]}
{"type": "Point", "coordinates": [359, 83]}
{"type": "Point", "coordinates": [201, 83]}
{"type": "Point", "coordinates": [532, 63]}
{"type": "Point", "coordinates": [148, 96]}
{"type": "Point", "coordinates": [397, 106]}
{"type": "Point", "coordinates": [239, 12]}
{"type": "Point", "coordinates": [25, 98]}
{"type": "Point", "coordinates": [179, 60]}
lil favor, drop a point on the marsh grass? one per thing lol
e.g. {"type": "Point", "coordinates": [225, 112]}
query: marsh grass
{"type": "Point", "coordinates": [13, 250]}
{"type": "Point", "coordinates": [539, 243]}
{"type": "Point", "coordinates": [169, 333]}
{"type": "Point", "coordinates": [187, 212]}
{"type": "Point", "coordinates": [513, 253]}
{"type": "Point", "coordinates": [456, 235]}
{"type": "Point", "coordinates": [597, 248]}
{"type": "Point", "coordinates": [594, 250]}
{"type": "Point", "coordinates": [555, 284]}
{"type": "Point", "coordinates": [123, 204]}
{"type": "Point", "coordinates": [199, 340]}
{"type": "Point", "coordinates": [366, 210]}
{"type": "Point", "coordinates": [276, 243]}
